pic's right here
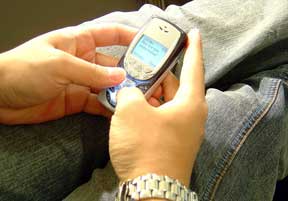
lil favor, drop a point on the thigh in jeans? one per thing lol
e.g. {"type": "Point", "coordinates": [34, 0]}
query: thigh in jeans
{"type": "Point", "coordinates": [49, 160]}
{"type": "Point", "coordinates": [244, 151]}
{"type": "Point", "coordinates": [245, 148]}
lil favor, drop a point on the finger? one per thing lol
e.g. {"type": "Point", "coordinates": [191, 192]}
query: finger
{"type": "Point", "coordinates": [105, 60]}
{"type": "Point", "coordinates": [107, 34]}
{"type": "Point", "coordinates": [104, 34]}
{"type": "Point", "coordinates": [170, 86]}
{"type": "Point", "coordinates": [130, 97]}
{"type": "Point", "coordinates": [154, 102]}
{"type": "Point", "coordinates": [78, 71]}
{"type": "Point", "coordinates": [93, 106]}
{"type": "Point", "coordinates": [96, 90]}
{"type": "Point", "coordinates": [52, 110]}
{"type": "Point", "coordinates": [78, 99]}
{"type": "Point", "coordinates": [29, 115]}
{"type": "Point", "coordinates": [158, 92]}
{"type": "Point", "coordinates": [75, 98]}
{"type": "Point", "coordinates": [192, 74]}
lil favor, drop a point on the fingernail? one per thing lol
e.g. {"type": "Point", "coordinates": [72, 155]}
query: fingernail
{"type": "Point", "coordinates": [193, 36]}
{"type": "Point", "coordinates": [116, 74]}
{"type": "Point", "coordinates": [193, 32]}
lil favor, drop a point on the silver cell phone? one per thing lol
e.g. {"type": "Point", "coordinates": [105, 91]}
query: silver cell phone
{"type": "Point", "coordinates": [152, 53]}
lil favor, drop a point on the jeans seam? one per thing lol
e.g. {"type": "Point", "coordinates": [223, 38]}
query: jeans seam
{"type": "Point", "coordinates": [225, 162]}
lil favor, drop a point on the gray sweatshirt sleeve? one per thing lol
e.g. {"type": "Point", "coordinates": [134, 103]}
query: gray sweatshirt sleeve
{"type": "Point", "coordinates": [232, 32]}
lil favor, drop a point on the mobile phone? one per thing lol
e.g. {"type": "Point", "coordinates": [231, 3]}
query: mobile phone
{"type": "Point", "coordinates": [152, 53]}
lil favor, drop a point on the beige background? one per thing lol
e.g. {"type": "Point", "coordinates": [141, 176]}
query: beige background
{"type": "Point", "coordinates": [21, 20]}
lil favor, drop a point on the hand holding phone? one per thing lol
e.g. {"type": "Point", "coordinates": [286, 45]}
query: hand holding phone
{"type": "Point", "coordinates": [166, 139]}
{"type": "Point", "coordinates": [152, 53]}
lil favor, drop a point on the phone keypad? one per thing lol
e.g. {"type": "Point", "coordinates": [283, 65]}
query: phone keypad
{"type": "Point", "coordinates": [143, 88]}
{"type": "Point", "coordinates": [138, 70]}
{"type": "Point", "coordinates": [112, 91]}
{"type": "Point", "coordinates": [127, 83]}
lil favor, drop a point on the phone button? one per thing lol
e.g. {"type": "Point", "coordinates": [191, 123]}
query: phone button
{"type": "Point", "coordinates": [112, 89]}
{"type": "Point", "coordinates": [143, 88]}
{"type": "Point", "coordinates": [111, 98]}
{"type": "Point", "coordinates": [127, 83]}
{"type": "Point", "coordinates": [111, 93]}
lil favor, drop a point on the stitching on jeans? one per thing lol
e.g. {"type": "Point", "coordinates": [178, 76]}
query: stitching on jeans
{"type": "Point", "coordinates": [230, 154]}
{"type": "Point", "coordinates": [255, 120]}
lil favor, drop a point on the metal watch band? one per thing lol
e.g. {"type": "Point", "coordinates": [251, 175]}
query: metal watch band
{"type": "Point", "coordinates": [154, 186]}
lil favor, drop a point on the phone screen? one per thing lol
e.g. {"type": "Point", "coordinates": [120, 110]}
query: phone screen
{"type": "Point", "coordinates": [149, 51]}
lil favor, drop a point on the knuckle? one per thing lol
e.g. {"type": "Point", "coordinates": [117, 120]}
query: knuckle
{"type": "Point", "coordinates": [58, 63]}
{"type": "Point", "coordinates": [99, 70]}
{"type": "Point", "coordinates": [97, 74]}
{"type": "Point", "coordinates": [198, 108]}
{"type": "Point", "coordinates": [116, 29]}
{"type": "Point", "coordinates": [199, 105]}
{"type": "Point", "coordinates": [58, 58]}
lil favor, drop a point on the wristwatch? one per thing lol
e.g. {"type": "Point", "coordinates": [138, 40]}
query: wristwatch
{"type": "Point", "coordinates": [154, 186]}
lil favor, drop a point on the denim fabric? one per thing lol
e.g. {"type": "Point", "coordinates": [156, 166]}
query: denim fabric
{"type": "Point", "coordinates": [245, 149]}
{"type": "Point", "coordinates": [48, 161]}
{"type": "Point", "coordinates": [243, 153]}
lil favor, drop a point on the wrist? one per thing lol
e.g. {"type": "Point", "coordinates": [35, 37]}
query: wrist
{"type": "Point", "coordinates": [5, 61]}
{"type": "Point", "coordinates": [3, 64]}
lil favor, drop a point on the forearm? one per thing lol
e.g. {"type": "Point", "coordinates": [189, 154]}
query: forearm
{"type": "Point", "coordinates": [7, 76]}
{"type": "Point", "coordinates": [7, 60]}
{"type": "Point", "coordinates": [2, 64]}
{"type": "Point", "coordinates": [3, 72]}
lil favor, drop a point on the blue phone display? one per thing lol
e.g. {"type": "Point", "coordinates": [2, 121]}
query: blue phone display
{"type": "Point", "coordinates": [149, 51]}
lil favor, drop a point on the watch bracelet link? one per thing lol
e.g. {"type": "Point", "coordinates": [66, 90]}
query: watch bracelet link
{"type": "Point", "coordinates": [154, 186]}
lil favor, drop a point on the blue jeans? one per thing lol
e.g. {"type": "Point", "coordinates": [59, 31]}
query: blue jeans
{"type": "Point", "coordinates": [245, 149]}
